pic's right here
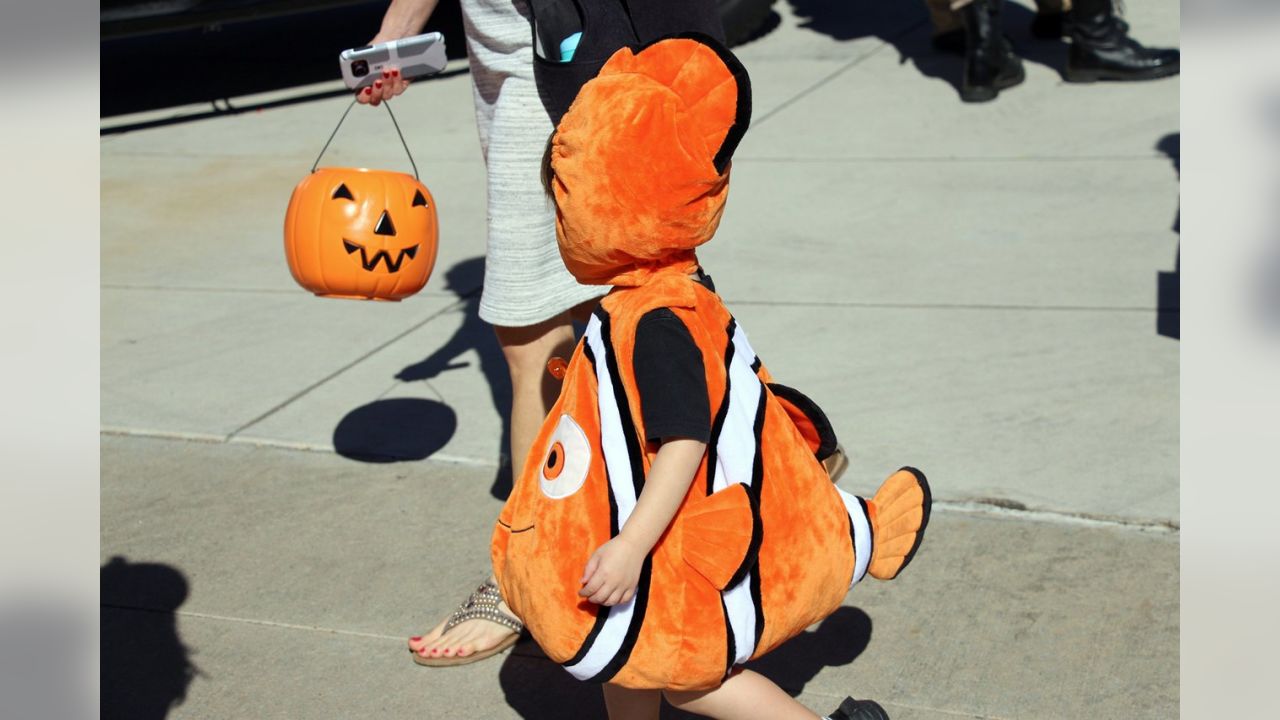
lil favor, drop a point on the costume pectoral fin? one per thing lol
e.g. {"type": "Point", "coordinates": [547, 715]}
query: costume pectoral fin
{"type": "Point", "coordinates": [721, 535]}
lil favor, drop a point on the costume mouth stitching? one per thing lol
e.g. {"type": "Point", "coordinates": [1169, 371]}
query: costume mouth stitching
{"type": "Point", "coordinates": [371, 264]}
{"type": "Point", "coordinates": [513, 531]}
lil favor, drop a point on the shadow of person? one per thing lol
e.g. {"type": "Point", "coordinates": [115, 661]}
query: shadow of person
{"type": "Point", "coordinates": [1169, 284]}
{"type": "Point", "coordinates": [473, 336]}
{"type": "Point", "coordinates": [146, 669]}
{"type": "Point", "coordinates": [539, 689]}
{"type": "Point", "coordinates": [906, 26]}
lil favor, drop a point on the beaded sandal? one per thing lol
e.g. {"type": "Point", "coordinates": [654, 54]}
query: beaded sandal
{"type": "Point", "coordinates": [481, 605]}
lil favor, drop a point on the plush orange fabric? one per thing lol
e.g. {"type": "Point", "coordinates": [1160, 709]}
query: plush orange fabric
{"type": "Point", "coordinates": [636, 182]}
{"type": "Point", "coordinates": [763, 545]}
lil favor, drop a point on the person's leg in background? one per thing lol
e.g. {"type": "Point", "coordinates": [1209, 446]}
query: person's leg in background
{"type": "Point", "coordinates": [1101, 48]}
{"type": "Point", "coordinates": [990, 64]}
{"type": "Point", "coordinates": [948, 27]}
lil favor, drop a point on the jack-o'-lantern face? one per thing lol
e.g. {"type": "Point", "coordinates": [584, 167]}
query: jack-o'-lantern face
{"type": "Point", "coordinates": [361, 233]}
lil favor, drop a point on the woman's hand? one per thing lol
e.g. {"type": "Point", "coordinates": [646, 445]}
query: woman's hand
{"type": "Point", "coordinates": [612, 573]}
{"type": "Point", "coordinates": [391, 84]}
{"type": "Point", "coordinates": [402, 19]}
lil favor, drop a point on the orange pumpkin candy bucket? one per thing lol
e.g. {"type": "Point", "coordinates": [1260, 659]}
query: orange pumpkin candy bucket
{"type": "Point", "coordinates": [359, 233]}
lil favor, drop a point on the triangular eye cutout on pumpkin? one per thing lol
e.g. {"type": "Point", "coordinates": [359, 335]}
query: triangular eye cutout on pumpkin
{"type": "Point", "coordinates": [384, 226]}
{"type": "Point", "coordinates": [418, 199]}
{"type": "Point", "coordinates": [342, 192]}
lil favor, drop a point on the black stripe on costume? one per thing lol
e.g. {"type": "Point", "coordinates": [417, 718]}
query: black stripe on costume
{"type": "Point", "coordinates": [757, 481]}
{"type": "Point", "coordinates": [871, 546]}
{"type": "Point", "coordinates": [624, 407]}
{"type": "Point", "coordinates": [717, 426]}
{"type": "Point", "coordinates": [853, 546]}
{"type": "Point", "coordinates": [602, 612]}
{"type": "Point", "coordinates": [731, 650]}
{"type": "Point", "coordinates": [752, 557]}
{"type": "Point", "coordinates": [756, 365]}
{"type": "Point", "coordinates": [633, 633]}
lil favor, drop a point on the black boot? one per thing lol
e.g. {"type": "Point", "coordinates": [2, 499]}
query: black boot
{"type": "Point", "coordinates": [989, 63]}
{"type": "Point", "coordinates": [852, 709]}
{"type": "Point", "coordinates": [1101, 48]}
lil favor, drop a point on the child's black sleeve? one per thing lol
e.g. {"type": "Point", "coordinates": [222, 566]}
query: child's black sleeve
{"type": "Point", "coordinates": [670, 379]}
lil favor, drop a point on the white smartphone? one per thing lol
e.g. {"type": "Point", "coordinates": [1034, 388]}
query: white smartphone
{"type": "Point", "coordinates": [415, 57]}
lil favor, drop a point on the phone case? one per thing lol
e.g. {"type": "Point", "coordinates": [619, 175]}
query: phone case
{"type": "Point", "coordinates": [416, 57]}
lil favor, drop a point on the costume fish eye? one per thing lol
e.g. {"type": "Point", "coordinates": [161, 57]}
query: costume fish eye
{"type": "Point", "coordinates": [764, 544]}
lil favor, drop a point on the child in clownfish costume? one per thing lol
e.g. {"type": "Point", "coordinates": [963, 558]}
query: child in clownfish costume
{"type": "Point", "coordinates": [675, 518]}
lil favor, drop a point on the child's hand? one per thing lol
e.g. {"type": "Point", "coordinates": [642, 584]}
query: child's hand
{"type": "Point", "coordinates": [612, 573]}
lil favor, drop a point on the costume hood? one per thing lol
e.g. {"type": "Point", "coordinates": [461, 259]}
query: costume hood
{"type": "Point", "coordinates": [641, 160]}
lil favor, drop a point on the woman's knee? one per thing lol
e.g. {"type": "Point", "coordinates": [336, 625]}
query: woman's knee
{"type": "Point", "coordinates": [527, 349]}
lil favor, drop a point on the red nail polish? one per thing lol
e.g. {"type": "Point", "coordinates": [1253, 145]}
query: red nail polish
{"type": "Point", "coordinates": [377, 83]}
{"type": "Point", "coordinates": [366, 91]}
{"type": "Point", "coordinates": [394, 73]}
{"type": "Point", "coordinates": [416, 638]}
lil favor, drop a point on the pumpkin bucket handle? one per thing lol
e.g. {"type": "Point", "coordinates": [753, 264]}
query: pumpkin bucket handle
{"type": "Point", "coordinates": [385, 104]}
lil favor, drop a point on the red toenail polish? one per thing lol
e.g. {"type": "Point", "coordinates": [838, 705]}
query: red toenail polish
{"type": "Point", "coordinates": [416, 638]}
{"type": "Point", "coordinates": [366, 91]}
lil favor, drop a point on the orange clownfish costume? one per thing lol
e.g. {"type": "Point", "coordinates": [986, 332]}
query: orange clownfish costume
{"type": "Point", "coordinates": [763, 544]}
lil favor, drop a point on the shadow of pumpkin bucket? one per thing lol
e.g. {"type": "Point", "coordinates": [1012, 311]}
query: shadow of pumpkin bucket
{"type": "Point", "coordinates": [361, 234]}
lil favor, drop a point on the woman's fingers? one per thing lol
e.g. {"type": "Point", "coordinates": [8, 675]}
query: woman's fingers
{"type": "Point", "coordinates": [389, 85]}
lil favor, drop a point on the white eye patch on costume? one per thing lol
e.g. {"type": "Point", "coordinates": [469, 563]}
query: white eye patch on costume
{"type": "Point", "coordinates": [564, 467]}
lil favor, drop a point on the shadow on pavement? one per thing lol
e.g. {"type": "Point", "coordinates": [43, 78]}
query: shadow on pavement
{"type": "Point", "coordinates": [538, 689]}
{"type": "Point", "coordinates": [1169, 284]}
{"type": "Point", "coordinates": [395, 430]}
{"type": "Point", "coordinates": [474, 336]}
{"type": "Point", "coordinates": [905, 26]}
{"type": "Point", "coordinates": [146, 669]}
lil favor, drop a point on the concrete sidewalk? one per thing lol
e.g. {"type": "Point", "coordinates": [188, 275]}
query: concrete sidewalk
{"type": "Point", "coordinates": [971, 289]}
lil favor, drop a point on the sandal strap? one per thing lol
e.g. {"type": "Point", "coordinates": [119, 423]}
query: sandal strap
{"type": "Point", "coordinates": [483, 605]}
{"type": "Point", "coordinates": [493, 615]}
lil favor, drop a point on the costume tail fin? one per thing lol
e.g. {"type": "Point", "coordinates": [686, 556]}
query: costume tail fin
{"type": "Point", "coordinates": [899, 513]}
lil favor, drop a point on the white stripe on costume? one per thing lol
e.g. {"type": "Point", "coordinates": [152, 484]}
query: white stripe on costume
{"type": "Point", "coordinates": [861, 535]}
{"type": "Point", "coordinates": [735, 463]}
{"type": "Point", "coordinates": [618, 461]}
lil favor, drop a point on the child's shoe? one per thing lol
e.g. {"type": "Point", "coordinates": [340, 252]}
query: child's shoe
{"type": "Point", "coordinates": [852, 709]}
{"type": "Point", "coordinates": [898, 513]}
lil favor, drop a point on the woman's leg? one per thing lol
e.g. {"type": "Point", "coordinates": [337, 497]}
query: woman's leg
{"type": "Point", "coordinates": [533, 390]}
{"type": "Point", "coordinates": [626, 704]}
{"type": "Point", "coordinates": [744, 696]}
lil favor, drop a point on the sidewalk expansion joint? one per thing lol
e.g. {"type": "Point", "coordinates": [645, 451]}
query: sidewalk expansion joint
{"type": "Point", "coordinates": [462, 300]}
{"type": "Point", "coordinates": [1012, 509]}
{"type": "Point", "coordinates": [249, 621]}
{"type": "Point", "coordinates": [943, 306]}
{"type": "Point", "coordinates": [990, 507]}
{"type": "Point", "coordinates": [755, 123]}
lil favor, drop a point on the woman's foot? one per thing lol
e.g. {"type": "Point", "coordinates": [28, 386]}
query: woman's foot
{"type": "Point", "coordinates": [481, 627]}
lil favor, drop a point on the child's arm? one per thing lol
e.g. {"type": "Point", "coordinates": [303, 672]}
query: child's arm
{"type": "Point", "coordinates": [613, 571]}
